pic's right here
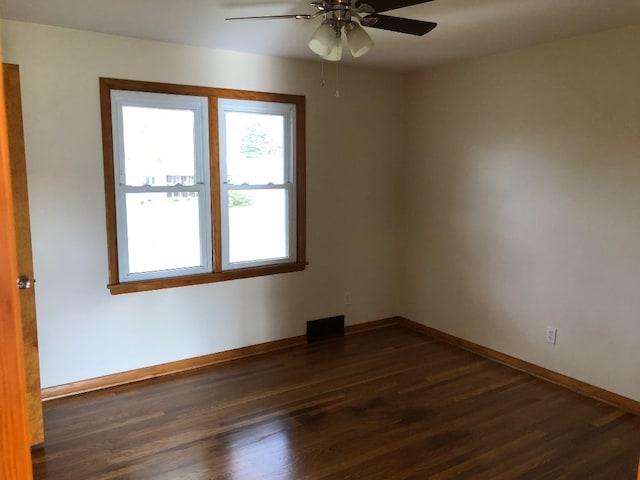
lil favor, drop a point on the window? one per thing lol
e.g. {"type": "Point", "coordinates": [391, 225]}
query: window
{"type": "Point", "coordinates": [256, 171]}
{"type": "Point", "coordinates": [162, 187]}
{"type": "Point", "coordinates": [201, 184]}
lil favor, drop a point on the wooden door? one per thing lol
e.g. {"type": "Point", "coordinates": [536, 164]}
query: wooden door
{"type": "Point", "coordinates": [17, 160]}
{"type": "Point", "coordinates": [15, 458]}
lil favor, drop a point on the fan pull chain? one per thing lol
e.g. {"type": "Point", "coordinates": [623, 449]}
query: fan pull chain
{"type": "Point", "coordinates": [338, 45]}
{"type": "Point", "coordinates": [322, 82]}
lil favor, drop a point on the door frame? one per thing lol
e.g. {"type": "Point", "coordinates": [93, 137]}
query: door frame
{"type": "Point", "coordinates": [22, 225]}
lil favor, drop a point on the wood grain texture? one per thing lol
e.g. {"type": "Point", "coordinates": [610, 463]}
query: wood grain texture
{"type": "Point", "coordinates": [15, 460]}
{"type": "Point", "coordinates": [591, 391]}
{"type": "Point", "coordinates": [171, 368]}
{"type": "Point", "coordinates": [577, 386]}
{"type": "Point", "coordinates": [214, 172]}
{"type": "Point", "coordinates": [13, 98]}
{"type": "Point", "coordinates": [384, 404]}
{"type": "Point", "coordinates": [109, 181]}
{"type": "Point", "coordinates": [301, 179]}
{"type": "Point", "coordinates": [145, 285]}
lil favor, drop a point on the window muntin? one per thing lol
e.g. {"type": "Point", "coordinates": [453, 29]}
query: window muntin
{"type": "Point", "coordinates": [161, 168]}
{"type": "Point", "coordinates": [278, 182]}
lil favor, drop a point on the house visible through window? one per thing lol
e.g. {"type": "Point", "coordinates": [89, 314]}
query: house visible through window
{"type": "Point", "coordinates": [201, 184]}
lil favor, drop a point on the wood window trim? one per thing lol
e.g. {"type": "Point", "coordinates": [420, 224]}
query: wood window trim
{"type": "Point", "coordinates": [117, 287]}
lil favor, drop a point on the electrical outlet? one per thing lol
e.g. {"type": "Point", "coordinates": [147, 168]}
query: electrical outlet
{"type": "Point", "coordinates": [552, 333]}
{"type": "Point", "coordinates": [347, 298]}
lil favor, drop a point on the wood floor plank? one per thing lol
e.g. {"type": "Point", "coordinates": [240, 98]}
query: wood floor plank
{"type": "Point", "coordinates": [381, 404]}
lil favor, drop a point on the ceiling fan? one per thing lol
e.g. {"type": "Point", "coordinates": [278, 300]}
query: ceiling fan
{"type": "Point", "coordinates": [348, 17]}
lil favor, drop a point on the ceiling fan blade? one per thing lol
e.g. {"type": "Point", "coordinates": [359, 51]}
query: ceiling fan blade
{"type": "Point", "coordinates": [385, 5]}
{"type": "Point", "coordinates": [398, 24]}
{"type": "Point", "coordinates": [273, 17]}
{"type": "Point", "coordinates": [253, 3]}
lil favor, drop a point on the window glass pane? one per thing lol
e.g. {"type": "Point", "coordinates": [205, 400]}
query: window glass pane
{"type": "Point", "coordinates": [163, 231]}
{"type": "Point", "coordinates": [257, 225]}
{"type": "Point", "coordinates": [255, 148]}
{"type": "Point", "coordinates": [158, 146]}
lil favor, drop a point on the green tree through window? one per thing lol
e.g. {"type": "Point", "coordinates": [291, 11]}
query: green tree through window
{"type": "Point", "coordinates": [257, 141]}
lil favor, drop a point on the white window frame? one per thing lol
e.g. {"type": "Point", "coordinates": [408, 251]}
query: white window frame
{"type": "Point", "coordinates": [199, 107]}
{"type": "Point", "coordinates": [288, 113]}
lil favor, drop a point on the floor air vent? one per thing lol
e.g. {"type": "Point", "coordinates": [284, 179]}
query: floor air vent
{"type": "Point", "coordinates": [325, 328]}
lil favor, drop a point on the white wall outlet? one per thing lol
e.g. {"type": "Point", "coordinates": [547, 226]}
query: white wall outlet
{"type": "Point", "coordinates": [347, 298]}
{"type": "Point", "coordinates": [552, 333]}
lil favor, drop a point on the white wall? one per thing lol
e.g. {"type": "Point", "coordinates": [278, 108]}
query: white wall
{"type": "Point", "coordinates": [515, 203]}
{"type": "Point", "coordinates": [352, 203]}
{"type": "Point", "coordinates": [523, 205]}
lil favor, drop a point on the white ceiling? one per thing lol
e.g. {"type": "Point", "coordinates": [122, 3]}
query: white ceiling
{"type": "Point", "coordinates": [466, 28]}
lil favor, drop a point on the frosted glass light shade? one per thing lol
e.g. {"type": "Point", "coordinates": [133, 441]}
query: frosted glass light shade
{"type": "Point", "coordinates": [358, 40]}
{"type": "Point", "coordinates": [335, 54]}
{"type": "Point", "coordinates": [323, 40]}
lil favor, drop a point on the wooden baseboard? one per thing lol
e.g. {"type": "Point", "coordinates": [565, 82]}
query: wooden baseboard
{"type": "Point", "coordinates": [374, 325]}
{"type": "Point", "coordinates": [591, 391]}
{"type": "Point", "coordinates": [131, 376]}
{"type": "Point", "coordinates": [170, 368]}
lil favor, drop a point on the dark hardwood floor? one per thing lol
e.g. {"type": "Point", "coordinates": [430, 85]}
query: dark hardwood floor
{"type": "Point", "coordinates": [384, 404]}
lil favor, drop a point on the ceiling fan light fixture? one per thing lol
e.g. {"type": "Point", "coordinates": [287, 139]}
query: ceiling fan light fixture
{"type": "Point", "coordinates": [349, 16]}
{"type": "Point", "coordinates": [358, 40]}
{"type": "Point", "coordinates": [335, 54]}
{"type": "Point", "coordinates": [323, 40]}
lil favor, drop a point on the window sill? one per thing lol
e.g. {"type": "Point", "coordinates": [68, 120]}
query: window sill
{"type": "Point", "coordinates": [142, 286]}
